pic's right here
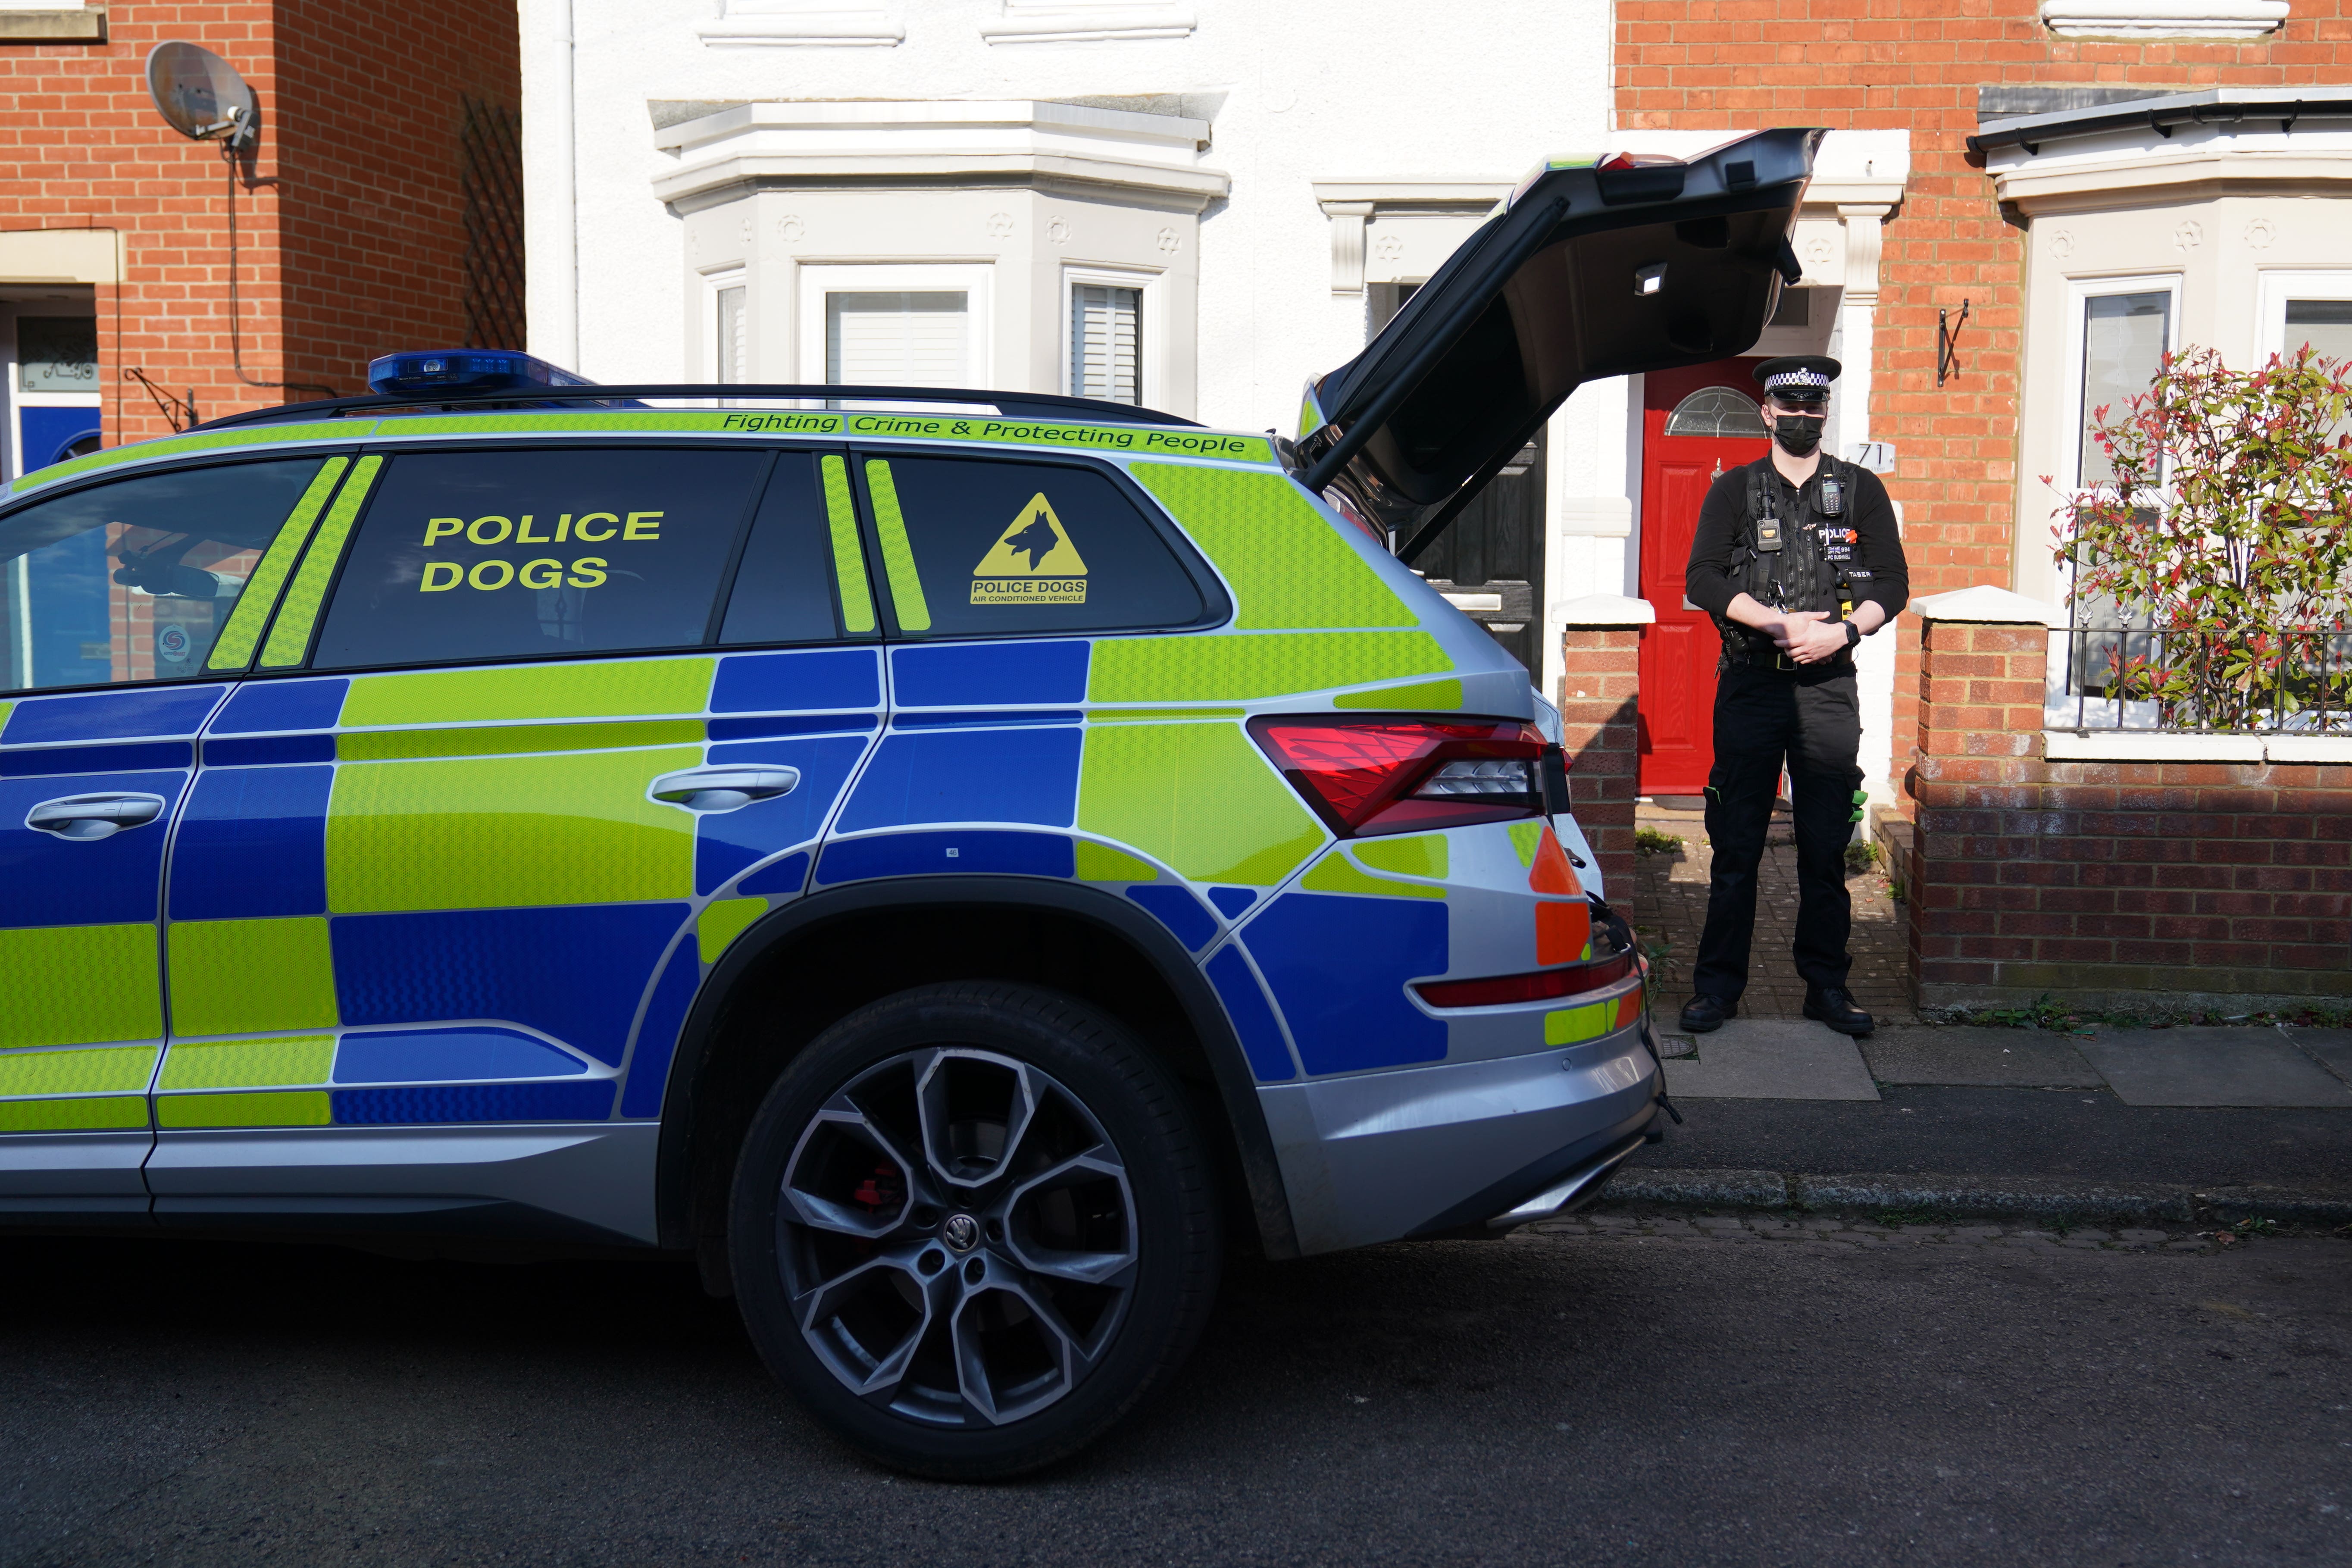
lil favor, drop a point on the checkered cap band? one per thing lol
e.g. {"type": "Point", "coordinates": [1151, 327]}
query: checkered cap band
{"type": "Point", "coordinates": [1795, 378]}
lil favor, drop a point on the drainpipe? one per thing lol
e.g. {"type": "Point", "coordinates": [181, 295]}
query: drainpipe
{"type": "Point", "coordinates": [553, 245]}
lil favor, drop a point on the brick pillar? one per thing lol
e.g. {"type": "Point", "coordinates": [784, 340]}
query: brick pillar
{"type": "Point", "coordinates": [1983, 655]}
{"type": "Point", "coordinates": [1601, 655]}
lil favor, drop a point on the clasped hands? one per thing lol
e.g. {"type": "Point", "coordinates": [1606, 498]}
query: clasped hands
{"type": "Point", "coordinates": [1808, 637]}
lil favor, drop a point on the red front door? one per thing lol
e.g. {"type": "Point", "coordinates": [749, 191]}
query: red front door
{"type": "Point", "coordinates": [1695, 423]}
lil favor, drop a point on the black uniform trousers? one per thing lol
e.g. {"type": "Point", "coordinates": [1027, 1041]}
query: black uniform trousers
{"type": "Point", "coordinates": [1812, 719]}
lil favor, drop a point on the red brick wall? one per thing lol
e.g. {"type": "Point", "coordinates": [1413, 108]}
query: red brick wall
{"type": "Point", "coordinates": [1597, 725]}
{"type": "Point", "coordinates": [1916, 64]}
{"type": "Point", "coordinates": [2111, 883]}
{"type": "Point", "coordinates": [365, 206]}
{"type": "Point", "coordinates": [370, 104]}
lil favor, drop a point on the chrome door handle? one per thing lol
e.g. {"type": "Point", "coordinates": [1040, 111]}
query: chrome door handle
{"type": "Point", "coordinates": [85, 817]}
{"type": "Point", "coordinates": [723, 789]}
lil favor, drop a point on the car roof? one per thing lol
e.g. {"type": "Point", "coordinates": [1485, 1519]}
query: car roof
{"type": "Point", "coordinates": [1021, 420]}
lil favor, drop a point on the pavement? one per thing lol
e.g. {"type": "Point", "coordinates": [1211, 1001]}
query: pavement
{"type": "Point", "coordinates": [1781, 1114]}
{"type": "Point", "coordinates": [1665, 1392]}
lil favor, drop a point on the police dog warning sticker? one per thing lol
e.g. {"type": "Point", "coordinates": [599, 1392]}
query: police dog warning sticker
{"type": "Point", "coordinates": [1034, 563]}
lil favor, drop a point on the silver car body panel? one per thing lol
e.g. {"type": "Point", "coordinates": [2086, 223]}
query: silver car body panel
{"type": "Point", "coordinates": [1375, 1156]}
{"type": "Point", "coordinates": [68, 1174]}
{"type": "Point", "coordinates": [596, 1174]}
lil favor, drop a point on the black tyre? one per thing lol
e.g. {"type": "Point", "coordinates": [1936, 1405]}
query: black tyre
{"type": "Point", "coordinates": [972, 1226]}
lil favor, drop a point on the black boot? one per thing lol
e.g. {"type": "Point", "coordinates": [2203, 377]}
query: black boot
{"type": "Point", "coordinates": [1834, 1005]}
{"type": "Point", "coordinates": [1703, 1013]}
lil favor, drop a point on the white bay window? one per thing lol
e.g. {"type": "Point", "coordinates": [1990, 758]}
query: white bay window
{"type": "Point", "coordinates": [872, 252]}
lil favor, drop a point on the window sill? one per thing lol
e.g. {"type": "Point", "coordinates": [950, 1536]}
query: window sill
{"type": "Point", "coordinates": [848, 26]}
{"type": "Point", "coordinates": [2163, 19]}
{"type": "Point", "coordinates": [65, 25]}
{"type": "Point", "coordinates": [1088, 21]}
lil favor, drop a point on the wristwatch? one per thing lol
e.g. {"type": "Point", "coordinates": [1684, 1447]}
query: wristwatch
{"type": "Point", "coordinates": [1852, 635]}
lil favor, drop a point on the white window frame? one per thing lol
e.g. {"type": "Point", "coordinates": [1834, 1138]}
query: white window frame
{"type": "Point", "coordinates": [1150, 326]}
{"type": "Point", "coordinates": [716, 280]}
{"type": "Point", "coordinates": [2278, 287]}
{"type": "Point", "coordinates": [2080, 292]}
{"type": "Point", "coordinates": [2058, 709]}
{"type": "Point", "coordinates": [976, 279]}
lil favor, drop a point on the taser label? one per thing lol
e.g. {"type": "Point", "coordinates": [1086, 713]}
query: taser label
{"type": "Point", "coordinates": [1034, 563]}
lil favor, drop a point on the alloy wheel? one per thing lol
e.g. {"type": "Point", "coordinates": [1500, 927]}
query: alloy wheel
{"type": "Point", "coordinates": [958, 1238]}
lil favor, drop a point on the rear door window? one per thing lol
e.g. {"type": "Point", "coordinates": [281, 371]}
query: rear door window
{"type": "Point", "coordinates": [520, 553]}
{"type": "Point", "coordinates": [803, 576]}
{"type": "Point", "coordinates": [979, 547]}
{"type": "Point", "coordinates": [162, 576]}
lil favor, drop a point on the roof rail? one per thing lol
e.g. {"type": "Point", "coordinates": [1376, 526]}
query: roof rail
{"type": "Point", "coordinates": [1015, 404]}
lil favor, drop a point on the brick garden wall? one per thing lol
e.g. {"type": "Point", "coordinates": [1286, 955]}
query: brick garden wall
{"type": "Point", "coordinates": [1916, 64]}
{"type": "Point", "coordinates": [2139, 884]}
{"type": "Point", "coordinates": [350, 237]}
{"type": "Point", "coordinates": [1602, 735]}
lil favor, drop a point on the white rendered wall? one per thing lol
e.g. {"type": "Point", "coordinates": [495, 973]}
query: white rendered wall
{"type": "Point", "coordinates": [1312, 89]}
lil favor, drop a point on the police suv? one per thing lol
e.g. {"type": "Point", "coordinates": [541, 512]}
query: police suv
{"type": "Point", "coordinates": [943, 871]}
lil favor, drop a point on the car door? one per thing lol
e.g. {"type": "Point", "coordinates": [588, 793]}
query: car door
{"type": "Point", "coordinates": [1592, 269]}
{"type": "Point", "coordinates": [122, 597]}
{"type": "Point", "coordinates": [996, 568]}
{"type": "Point", "coordinates": [515, 794]}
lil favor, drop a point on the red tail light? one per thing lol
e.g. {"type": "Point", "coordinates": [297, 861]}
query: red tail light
{"type": "Point", "coordinates": [1538, 986]}
{"type": "Point", "coordinates": [1368, 776]}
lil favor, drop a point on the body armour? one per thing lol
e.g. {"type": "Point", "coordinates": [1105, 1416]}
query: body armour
{"type": "Point", "coordinates": [1808, 562]}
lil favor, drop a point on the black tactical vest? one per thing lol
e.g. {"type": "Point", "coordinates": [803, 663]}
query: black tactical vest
{"type": "Point", "coordinates": [1807, 561]}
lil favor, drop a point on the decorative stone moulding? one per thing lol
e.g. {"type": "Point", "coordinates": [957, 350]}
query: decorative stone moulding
{"type": "Point", "coordinates": [2163, 19]}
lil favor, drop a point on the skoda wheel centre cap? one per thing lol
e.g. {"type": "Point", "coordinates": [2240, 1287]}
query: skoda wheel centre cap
{"type": "Point", "coordinates": [961, 1232]}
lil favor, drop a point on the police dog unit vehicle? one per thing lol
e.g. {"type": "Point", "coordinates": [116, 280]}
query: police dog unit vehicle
{"type": "Point", "coordinates": [945, 872]}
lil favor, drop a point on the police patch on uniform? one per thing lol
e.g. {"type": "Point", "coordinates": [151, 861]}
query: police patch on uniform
{"type": "Point", "coordinates": [1033, 563]}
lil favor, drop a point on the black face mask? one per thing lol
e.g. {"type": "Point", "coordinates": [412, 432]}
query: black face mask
{"type": "Point", "coordinates": [1798, 434]}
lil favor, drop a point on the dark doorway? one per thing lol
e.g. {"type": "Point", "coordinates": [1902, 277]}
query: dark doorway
{"type": "Point", "coordinates": [1490, 562]}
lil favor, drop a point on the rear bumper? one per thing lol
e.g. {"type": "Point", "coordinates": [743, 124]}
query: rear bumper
{"type": "Point", "coordinates": [1420, 1151]}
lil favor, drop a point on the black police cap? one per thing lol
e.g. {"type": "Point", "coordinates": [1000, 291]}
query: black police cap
{"type": "Point", "coordinates": [1799, 378]}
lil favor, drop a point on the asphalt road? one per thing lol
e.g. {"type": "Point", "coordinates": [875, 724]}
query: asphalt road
{"type": "Point", "coordinates": [1568, 1398]}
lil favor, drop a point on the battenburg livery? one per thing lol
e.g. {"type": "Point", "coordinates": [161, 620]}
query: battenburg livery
{"type": "Point", "coordinates": [938, 870]}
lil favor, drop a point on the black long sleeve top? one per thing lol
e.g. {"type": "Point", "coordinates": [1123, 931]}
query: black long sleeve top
{"type": "Point", "coordinates": [1713, 578]}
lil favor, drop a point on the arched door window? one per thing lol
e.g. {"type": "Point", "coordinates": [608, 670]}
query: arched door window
{"type": "Point", "coordinates": [1716, 411]}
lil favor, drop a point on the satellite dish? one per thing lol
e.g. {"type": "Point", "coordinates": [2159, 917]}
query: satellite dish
{"type": "Point", "coordinates": [201, 93]}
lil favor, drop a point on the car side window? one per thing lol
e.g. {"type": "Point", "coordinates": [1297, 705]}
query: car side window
{"type": "Point", "coordinates": [974, 546]}
{"type": "Point", "coordinates": [512, 553]}
{"type": "Point", "coordinates": [803, 577]}
{"type": "Point", "coordinates": [153, 578]}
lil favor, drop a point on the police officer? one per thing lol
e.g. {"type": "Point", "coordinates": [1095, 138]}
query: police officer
{"type": "Point", "coordinates": [1798, 560]}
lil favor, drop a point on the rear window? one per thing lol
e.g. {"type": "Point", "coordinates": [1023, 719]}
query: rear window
{"type": "Point", "coordinates": [972, 546]}
{"type": "Point", "coordinates": [508, 554]}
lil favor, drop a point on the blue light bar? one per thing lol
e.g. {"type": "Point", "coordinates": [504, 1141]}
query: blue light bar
{"type": "Point", "coordinates": [466, 370]}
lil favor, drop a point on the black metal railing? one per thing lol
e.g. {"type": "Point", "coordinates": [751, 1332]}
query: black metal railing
{"type": "Point", "coordinates": [2204, 681]}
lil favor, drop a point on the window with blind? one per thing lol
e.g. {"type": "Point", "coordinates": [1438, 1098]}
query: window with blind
{"type": "Point", "coordinates": [2124, 341]}
{"type": "Point", "coordinates": [898, 337]}
{"type": "Point", "coordinates": [1107, 343]}
{"type": "Point", "coordinates": [734, 336]}
{"type": "Point", "coordinates": [2324, 324]}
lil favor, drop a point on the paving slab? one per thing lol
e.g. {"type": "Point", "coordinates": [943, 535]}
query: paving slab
{"type": "Point", "coordinates": [1774, 1058]}
{"type": "Point", "coordinates": [1980, 1057]}
{"type": "Point", "coordinates": [2219, 1066]}
{"type": "Point", "coordinates": [2332, 1046]}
